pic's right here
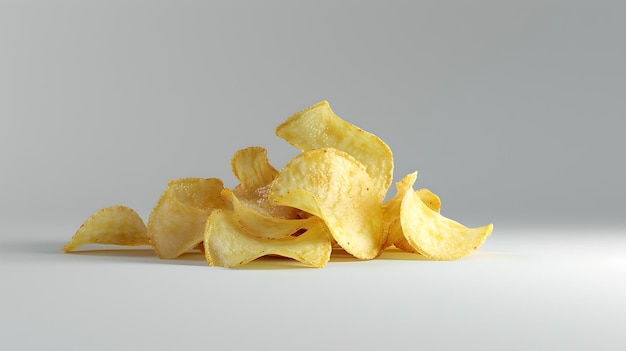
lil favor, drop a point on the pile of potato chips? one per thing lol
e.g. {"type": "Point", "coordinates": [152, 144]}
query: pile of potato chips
{"type": "Point", "coordinates": [331, 195]}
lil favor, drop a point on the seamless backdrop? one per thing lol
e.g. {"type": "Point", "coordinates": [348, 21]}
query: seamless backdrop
{"type": "Point", "coordinates": [511, 111]}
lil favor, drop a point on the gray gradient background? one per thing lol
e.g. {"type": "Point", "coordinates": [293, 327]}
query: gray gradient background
{"type": "Point", "coordinates": [513, 112]}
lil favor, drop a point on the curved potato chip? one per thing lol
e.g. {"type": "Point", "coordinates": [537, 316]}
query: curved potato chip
{"type": "Point", "coordinates": [263, 226]}
{"type": "Point", "coordinates": [176, 224]}
{"type": "Point", "coordinates": [435, 236]}
{"type": "Point", "coordinates": [226, 244]}
{"type": "Point", "coordinates": [257, 199]}
{"type": "Point", "coordinates": [430, 199]}
{"type": "Point", "coordinates": [319, 127]}
{"type": "Point", "coordinates": [334, 186]}
{"type": "Point", "coordinates": [114, 225]}
{"type": "Point", "coordinates": [399, 240]}
{"type": "Point", "coordinates": [252, 167]}
{"type": "Point", "coordinates": [391, 211]}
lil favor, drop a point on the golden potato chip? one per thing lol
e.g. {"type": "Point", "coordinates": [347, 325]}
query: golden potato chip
{"type": "Point", "coordinates": [435, 236]}
{"type": "Point", "coordinates": [334, 186]}
{"type": "Point", "coordinates": [252, 167]}
{"type": "Point", "coordinates": [257, 200]}
{"type": "Point", "coordinates": [114, 225]}
{"type": "Point", "coordinates": [176, 224]}
{"type": "Point", "coordinates": [392, 229]}
{"type": "Point", "coordinates": [319, 127]}
{"type": "Point", "coordinates": [430, 199]}
{"type": "Point", "coordinates": [227, 244]}
{"type": "Point", "coordinates": [261, 225]}
{"type": "Point", "coordinates": [399, 240]}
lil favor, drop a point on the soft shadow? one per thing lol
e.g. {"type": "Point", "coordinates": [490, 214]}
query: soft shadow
{"type": "Point", "coordinates": [40, 247]}
{"type": "Point", "coordinates": [139, 254]}
{"type": "Point", "coordinates": [341, 255]}
{"type": "Point", "coordinates": [273, 263]}
{"type": "Point", "coordinates": [396, 254]}
{"type": "Point", "coordinates": [126, 252]}
{"type": "Point", "coordinates": [193, 258]}
{"type": "Point", "coordinates": [143, 254]}
{"type": "Point", "coordinates": [187, 259]}
{"type": "Point", "coordinates": [123, 254]}
{"type": "Point", "coordinates": [493, 255]}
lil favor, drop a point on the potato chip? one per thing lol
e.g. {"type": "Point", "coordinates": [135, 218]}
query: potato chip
{"type": "Point", "coordinates": [319, 127]}
{"type": "Point", "coordinates": [227, 244]}
{"type": "Point", "coordinates": [430, 199]}
{"type": "Point", "coordinates": [334, 186]}
{"type": "Point", "coordinates": [251, 166]}
{"type": "Point", "coordinates": [392, 229]}
{"type": "Point", "coordinates": [263, 226]}
{"type": "Point", "coordinates": [396, 236]}
{"type": "Point", "coordinates": [114, 225]}
{"type": "Point", "coordinates": [176, 224]}
{"type": "Point", "coordinates": [435, 236]}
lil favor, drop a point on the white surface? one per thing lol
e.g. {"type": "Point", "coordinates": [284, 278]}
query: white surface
{"type": "Point", "coordinates": [524, 289]}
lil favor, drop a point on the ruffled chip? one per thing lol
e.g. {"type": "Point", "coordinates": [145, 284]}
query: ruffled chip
{"type": "Point", "coordinates": [319, 127]}
{"type": "Point", "coordinates": [227, 244]}
{"type": "Point", "coordinates": [261, 225]}
{"type": "Point", "coordinates": [176, 224]}
{"type": "Point", "coordinates": [114, 225]}
{"type": "Point", "coordinates": [392, 230]}
{"type": "Point", "coordinates": [335, 187]}
{"type": "Point", "coordinates": [435, 236]}
{"type": "Point", "coordinates": [255, 173]}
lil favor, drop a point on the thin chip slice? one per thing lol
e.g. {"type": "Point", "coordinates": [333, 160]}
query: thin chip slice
{"type": "Point", "coordinates": [226, 244]}
{"type": "Point", "coordinates": [319, 127]}
{"type": "Point", "coordinates": [263, 226]}
{"type": "Point", "coordinates": [399, 240]}
{"type": "Point", "coordinates": [391, 211]}
{"type": "Point", "coordinates": [114, 225]}
{"type": "Point", "coordinates": [176, 224]}
{"type": "Point", "coordinates": [255, 173]}
{"type": "Point", "coordinates": [335, 187]}
{"type": "Point", "coordinates": [252, 167]}
{"type": "Point", "coordinates": [257, 200]}
{"type": "Point", "coordinates": [435, 236]}
{"type": "Point", "coordinates": [430, 199]}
